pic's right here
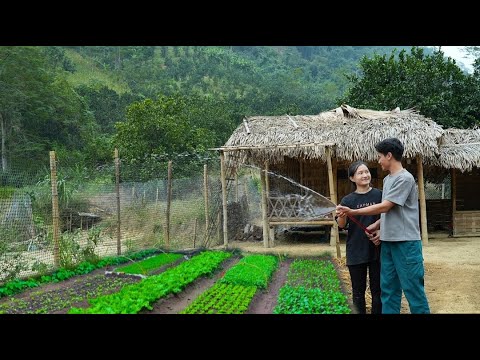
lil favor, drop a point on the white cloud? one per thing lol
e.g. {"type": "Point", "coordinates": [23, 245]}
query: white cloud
{"type": "Point", "coordinates": [455, 52]}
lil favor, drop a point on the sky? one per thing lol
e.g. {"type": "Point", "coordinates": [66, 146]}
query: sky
{"type": "Point", "coordinates": [456, 53]}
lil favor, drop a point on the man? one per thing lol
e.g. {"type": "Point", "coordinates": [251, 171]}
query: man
{"type": "Point", "coordinates": [401, 253]}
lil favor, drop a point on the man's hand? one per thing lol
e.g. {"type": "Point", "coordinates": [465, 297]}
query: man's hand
{"type": "Point", "coordinates": [342, 211]}
{"type": "Point", "coordinates": [374, 236]}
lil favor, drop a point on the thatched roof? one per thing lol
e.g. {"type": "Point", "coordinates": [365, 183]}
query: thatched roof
{"type": "Point", "coordinates": [353, 131]}
{"type": "Point", "coordinates": [459, 149]}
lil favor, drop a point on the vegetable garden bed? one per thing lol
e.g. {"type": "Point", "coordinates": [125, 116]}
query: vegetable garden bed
{"type": "Point", "coordinates": [212, 282]}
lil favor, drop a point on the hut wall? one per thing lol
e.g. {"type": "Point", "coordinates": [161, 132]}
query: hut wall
{"type": "Point", "coordinates": [467, 223]}
{"type": "Point", "coordinates": [467, 215]}
{"type": "Point", "coordinates": [289, 168]}
{"type": "Point", "coordinates": [439, 214]}
{"type": "Point", "coordinates": [468, 190]}
{"type": "Point", "coordinates": [315, 176]}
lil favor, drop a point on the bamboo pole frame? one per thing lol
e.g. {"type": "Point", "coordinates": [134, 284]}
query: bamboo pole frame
{"type": "Point", "coordinates": [236, 186]}
{"type": "Point", "coordinates": [224, 198]}
{"type": "Point", "coordinates": [205, 195]}
{"type": "Point", "coordinates": [117, 191]}
{"type": "Point", "coordinates": [55, 212]}
{"type": "Point", "coordinates": [169, 203]}
{"type": "Point", "coordinates": [423, 202]}
{"type": "Point", "coordinates": [194, 232]}
{"type": "Point", "coordinates": [235, 148]}
{"type": "Point", "coordinates": [453, 195]}
{"type": "Point", "coordinates": [264, 209]}
{"type": "Point", "coordinates": [334, 236]}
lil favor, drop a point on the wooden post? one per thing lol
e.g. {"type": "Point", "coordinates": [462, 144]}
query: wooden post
{"type": "Point", "coordinates": [194, 232]}
{"type": "Point", "coordinates": [271, 232]}
{"type": "Point", "coordinates": [236, 186]}
{"type": "Point", "coordinates": [169, 203]}
{"type": "Point", "coordinates": [205, 195]}
{"type": "Point", "coordinates": [453, 195]}
{"type": "Point", "coordinates": [117, 190]}
{"type": "Point", "coordinates": [55, 213]}
{"type": "Point", "coordinates": [379, 176]}
{"type": "Point", "coordinates": [156, 199]}
{"type": "Point", "coordinates": [264, 209]}
{"type": "Point", "coordinates": [224, 198]}
{"type": "Point", "coordinates": [219, 227]}
{"type": "Point", "coordinates": [245, 186]}
{"type": "Point", "coordinates": [301, 176]}
{"type": "Point", "coordinates": [267, 182]}
{"type": "Point", "coordinates": [334, 237]}
{"type": "Point", "coordinates": [423, 203]}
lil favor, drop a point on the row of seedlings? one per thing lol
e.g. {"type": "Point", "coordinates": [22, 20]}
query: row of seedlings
{"type": "Point", "coordinates": [312, 287]}
{"type": "Point", "coordinates": [133, 298]}
{"type": "Point", "coordinates": [233, 293]}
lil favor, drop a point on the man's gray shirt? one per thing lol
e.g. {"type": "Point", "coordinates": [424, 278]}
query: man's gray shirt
{"type": "Point", "coordinates": [401, 222]}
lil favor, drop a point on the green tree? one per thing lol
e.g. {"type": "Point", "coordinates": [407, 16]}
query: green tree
{"type": "Point", "coordinates": [160, 130]}
{"type": "Point", "coordinates": [432, 84]}
{"type": "Point", "coordinates": [39, 110]}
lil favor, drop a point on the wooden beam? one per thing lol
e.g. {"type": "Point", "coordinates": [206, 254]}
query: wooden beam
{"type": "Point", "coordinates": [117, 191]}
{"type": "Point", "coordinates": [169, 204]}
{"type": "Point", "coordinates": [293, 121]}
{"type": "Point", "coordinates": [423, 203]}
{"type": "Point", "coordinates": [334, 236]}
{"type": "Point", "coordinates": [235, 148]}
{"type": "Point", "coordinates": [205, 195]}
{"type": "Point", "coordinates": [224, 198]}
{"type": "Point", "coordinates": [313, 222]}
{"type": "Point", "coordinates": [55, 212]}
{"type": "Point", "coordinates": [453, 195]}
{"type": "Point", "coordinates": [245, 123]}
{"type": "Point", "coordinates": [264, 210]}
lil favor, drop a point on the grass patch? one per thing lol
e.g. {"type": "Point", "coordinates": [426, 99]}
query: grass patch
{"type": "Point", "coordinates": [89, 73]}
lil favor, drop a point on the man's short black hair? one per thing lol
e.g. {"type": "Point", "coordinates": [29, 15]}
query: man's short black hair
{"type": "Point", "coordinates": [391, 145]}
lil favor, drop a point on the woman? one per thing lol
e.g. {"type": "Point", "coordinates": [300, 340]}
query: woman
{"type": "Point", "coordinates": [362, 252]}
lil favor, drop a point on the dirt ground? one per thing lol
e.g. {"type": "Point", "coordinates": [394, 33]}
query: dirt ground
{"type": "Point", "coordinates": [452, 268]}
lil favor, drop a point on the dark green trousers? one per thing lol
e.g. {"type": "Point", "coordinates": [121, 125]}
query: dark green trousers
{"type": "Point", "coordinates": [402, 269]}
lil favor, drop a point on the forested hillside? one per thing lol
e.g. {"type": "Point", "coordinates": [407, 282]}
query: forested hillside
{"type": "Point", "coordinates": [83, 101]}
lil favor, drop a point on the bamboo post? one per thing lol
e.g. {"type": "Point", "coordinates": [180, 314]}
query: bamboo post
{"type": "Point", "coordinates": [224, 198]}
{"type": "Point", "coordinates": [194, 232]}
{"type": "Point", "coordinates": [117, 190]}
{"type": "Point", "coordinates": [271, 232]}
{"type": "Point", "coordinates": [423, 203]}
{"type": "Point", "coordinates": [205, 195]}
{"type": "Point", "coordinates": [55, 213]}
{"type": "Point", "coordinates": [267, 182]}
{"type": "Point", "coordinates": [236, 186]}
{"type": "Point", "coordinates": [379, 176]}
{"type": "Point", "coordinates": [219, 228]}
{"type": "Point", "coordinates": [301, 175]}
{"type": "Point", "coordinates": [169, 203]}
{"type": "Point", "coordinates": [264, 209]}
{"type": "Point", "coordinates": [334, 237]}
{"type": "Point", "coordinates": [453, 195]}
{"type": "Point", "coordinates": [156, 199]}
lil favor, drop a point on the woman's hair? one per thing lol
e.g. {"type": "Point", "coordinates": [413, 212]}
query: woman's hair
{"type": "Point", "coordinates": [352, 169]}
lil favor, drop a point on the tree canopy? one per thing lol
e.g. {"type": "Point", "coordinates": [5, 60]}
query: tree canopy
{"type": "Point", "coordinates": [432, 84]}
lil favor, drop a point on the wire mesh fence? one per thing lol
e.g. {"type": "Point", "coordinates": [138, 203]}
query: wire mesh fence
{"type": "Point", "coordinates": [99, 215]}
{"type": "Point", "coordinates": [122, 208]}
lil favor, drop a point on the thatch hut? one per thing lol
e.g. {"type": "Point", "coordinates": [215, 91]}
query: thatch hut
{"type": "Point", "coordinates": [459, 151]}
{"type": "Point", "coordinates": [315, 150]}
